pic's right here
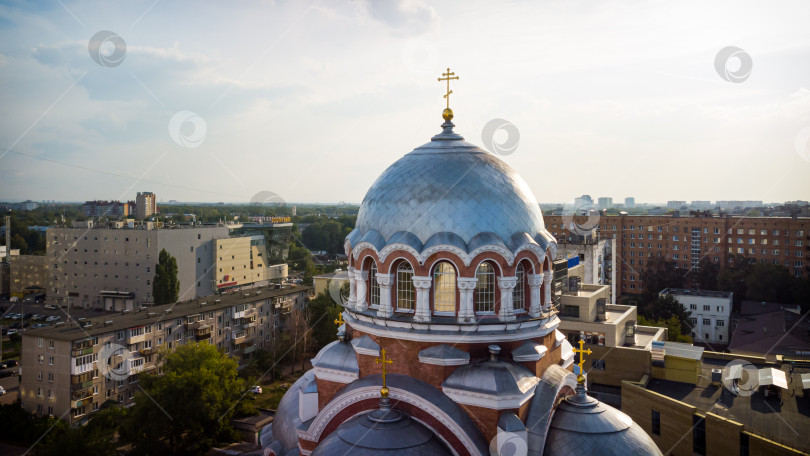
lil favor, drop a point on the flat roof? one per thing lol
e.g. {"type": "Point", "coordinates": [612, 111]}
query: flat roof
{"type": "Point", "coordinates": [156, 314]}
{"type": "Point", "coordinates": [787, 422]}
{"type": "Point", "coordinates": [705, 293]}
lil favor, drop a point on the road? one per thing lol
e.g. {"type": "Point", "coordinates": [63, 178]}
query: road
{"type": "Point", "coordinates": [12, 386]}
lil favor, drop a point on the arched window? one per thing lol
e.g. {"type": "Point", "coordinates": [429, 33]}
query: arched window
{"type": "Point", "coordinates": [519, 295]}
{"type": "Point", "coordinates": [405, 291]}
{"type": "Point", "coordinates": [444, 288]}
{"type": "Point", "coordinates": [373, 287]}
{"type": "Point", "coordinates": [485, 289]}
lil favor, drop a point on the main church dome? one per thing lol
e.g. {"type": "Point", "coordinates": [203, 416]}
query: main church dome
{"type": "Point", "coordinates": [451, 188]}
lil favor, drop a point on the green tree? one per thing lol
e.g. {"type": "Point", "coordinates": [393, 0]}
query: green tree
{"type": "Point", "coordinates": [707, 274]}
{"type": "Point", "coordinates": [323, 312]}
{"type": "Point", "coordinates": [674, 328]}
{"type": "Point", "coordinates": [186, 410]}
{"type": "Point", "coordinates": [165, 286]}
{"type": "Point", "coordinates": [659, 275]}
{"type": "Point", "coordinates": [664, 308]}
{"type": "Point", "coordinates": [769, 282]}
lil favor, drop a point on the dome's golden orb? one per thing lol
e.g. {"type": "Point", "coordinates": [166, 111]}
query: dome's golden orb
{"type": "Point", "coordinates": [384, 391]}
{"type": "Point", "coordinates": [447, 114]}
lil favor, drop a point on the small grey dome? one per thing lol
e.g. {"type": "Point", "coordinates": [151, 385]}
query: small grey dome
{"type": "Point", "coordinates": [494, 376]}
{"type": "Point", "coordinates": [286, 419]}
{"type": "Point", "coordinates": [583, 425]}
{"type": "Point", "coordinates": [450, 186]}
{"type": "Point", "coordinates": [396, 433]}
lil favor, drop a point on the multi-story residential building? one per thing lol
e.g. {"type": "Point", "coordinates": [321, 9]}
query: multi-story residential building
{"type": "Point", "coordinates": [70, 369]}
{"type": "Point", "coordinates": [675, 204]}
{"type": "Point", "coordinates": [242, 261]}
{"type": "Point", "coordinates": [108, 209]}
{"type": "Point", "coordinates": [28, 274]}
{"type": "Point", "coordinates": [113, 269]}
{"type": "Point", "coordinates": [686, 240]}
{"type": "Point", "coordinates": [709, 313]}
{"type": "Point", "coordinates": [629, 202]}
{"type": "Point", "coordinates": [145, 205]}
{"type": "Point", "coordinates": [605, 202]}
{"type": "Point", "coordinates": [596, 257]}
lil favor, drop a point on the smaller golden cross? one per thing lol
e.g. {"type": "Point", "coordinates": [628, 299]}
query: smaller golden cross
{"type": "Point", "coordinates": [447, 77]}
{"type": "Point", "coordinates": [582, 352]}
{"type": "Point", "coordinates": [339, 321]}
{"type": "Point", "coordinates": [384, 362]}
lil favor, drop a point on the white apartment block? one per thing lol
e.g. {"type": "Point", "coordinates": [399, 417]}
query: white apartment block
{"type": "Point", "coordinates": [709, 313]}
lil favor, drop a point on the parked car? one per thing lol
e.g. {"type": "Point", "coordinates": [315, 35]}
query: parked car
{"type": "Point", "coordinates": [257, 389]}
{"type": "Point", "coordinates": [50, 307]}
{"type": "Point", "coordinates": [12, 331]}
{"type": "Point", "coordinates": [38, 317]}
{"type": "Point", "coordinates": [53, 318]}
{"type": "Point", "coordinates": [6, 373]}
{"type": "Point", "coordinates": [2, 391]}
{"type": "Point", "coordinates": [11, 363]}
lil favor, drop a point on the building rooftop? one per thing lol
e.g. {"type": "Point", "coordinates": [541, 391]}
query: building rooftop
{"type": "Point", "coordinates": [787, 422]}
{"type": "Point", "coordinates": [781, 332]}
{"type": "Point", "coordinates": [757, 307]}
{"type": "Point", "coordinates": [72, 330]}
{"type": "Point", "coordinates": [703, 293]}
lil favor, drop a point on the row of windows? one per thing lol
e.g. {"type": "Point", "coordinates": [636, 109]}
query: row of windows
{"type": "Point", "coordinates": [444, 288]}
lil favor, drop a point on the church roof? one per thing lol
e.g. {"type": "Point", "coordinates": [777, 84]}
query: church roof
{"type": "Point", "coordinates": [449, 191]}
{"type": "Point", "coordinates": [582, 424]}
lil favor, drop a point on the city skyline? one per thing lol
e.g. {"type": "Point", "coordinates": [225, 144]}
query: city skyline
{"type": "Point", "coordinates": [310, 100]}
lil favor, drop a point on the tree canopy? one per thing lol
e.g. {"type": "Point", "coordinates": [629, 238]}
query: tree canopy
{"type": "Point", "coordinates": [186, 410]}
{"type": "Point", "coordinates": [165, 286]}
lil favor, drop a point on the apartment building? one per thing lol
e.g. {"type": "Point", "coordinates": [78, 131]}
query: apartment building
{"type": "Point", "coordinates": [709, 313]}
{"type": "Point", "coordinates": [70, 369]}
{"type": "Point", "coordinates": [242, 261]}
{"type": "Point", "coordinates": [145, 204]}
{"type": "Point", "coordinates": [686, 240]}
{"type": "Point", "coordinates": [113, 269]}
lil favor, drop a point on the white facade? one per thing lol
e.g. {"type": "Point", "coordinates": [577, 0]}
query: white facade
{"type": "Point", "coordinates": [709, 313]}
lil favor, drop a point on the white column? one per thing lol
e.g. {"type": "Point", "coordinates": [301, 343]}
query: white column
{"type": "Point", "coordinates": [466, 286]}
{"type": "Point", "coordinates": [507, 287]}
{"type": "Point", "coordinates": [352, 289]}
{"type": "Point", "coordinates": [700, 328]}
{"type": "Point", "coordinates": [360, 278]}
{"type": "Point", "coordinates": [385, 281]}
{"type": "Point", "coordinates": [422, 286]}
{"type": "Point", "coordinates": [547, 298]}
{"type": "Point", "coordinates": [535, 283]}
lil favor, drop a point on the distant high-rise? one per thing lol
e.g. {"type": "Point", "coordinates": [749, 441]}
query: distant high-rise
{"type": "Point", "coordinates": [629, 202]}
{"type": "Point", "coordinates": [146, 205]}
{"type": "Point", "coordinates": [605, 202]}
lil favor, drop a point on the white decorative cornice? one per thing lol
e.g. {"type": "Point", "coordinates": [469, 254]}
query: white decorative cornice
{"type": "Point", "coordinates": [498, 249]}
{"type": "Point", "coordinates": [334, 375]}
{"type": "Point", "coordinates": [467, 283]}
{"type": "Point", "coordinates": [491, 401]}
{"type": "Point", "coordinates": [444, 248]}
{"type": "Point", "coordinates": [392, 248]}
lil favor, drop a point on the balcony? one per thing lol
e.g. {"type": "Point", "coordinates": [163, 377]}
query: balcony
{"type": "Point", "coordinates": [136, 366]}
{"type": "Point", "coordinates": [245, 313]}
{"type": "Point", "coordinates": [202, 332]}
{"type": "Point", "coordinates": [146, 351]}
{"type": "Point", "coordinates": [81, 351]}
{"type": "Point", "coordinates": [82, 393]}
{"type": "Point", "coordinates": [250, 349]}
{"type": "Point", "coordinates": [238, 337]}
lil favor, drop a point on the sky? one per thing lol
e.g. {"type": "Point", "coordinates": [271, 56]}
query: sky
{"type": "Point", "coordinates": [311, 101]}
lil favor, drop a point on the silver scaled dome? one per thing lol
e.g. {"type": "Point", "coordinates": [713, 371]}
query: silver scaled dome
{"type": "Point", "coordinates": [450, 188]}
{"type": "Point", "coordinates": [583, 425]}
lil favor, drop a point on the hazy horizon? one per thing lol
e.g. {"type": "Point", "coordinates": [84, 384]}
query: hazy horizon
{"type": "Point", "coordinates": [219, 102]}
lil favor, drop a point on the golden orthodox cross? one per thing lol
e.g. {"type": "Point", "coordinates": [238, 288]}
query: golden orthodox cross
{"type": "Point", "coordinates": [582, 352]}
{"type": "Point", "coordinates": [339, 321]}
{"type": "Point", "coordinates": [384, 362]}
{"type": "Point", "coordinates": [447, 77]}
